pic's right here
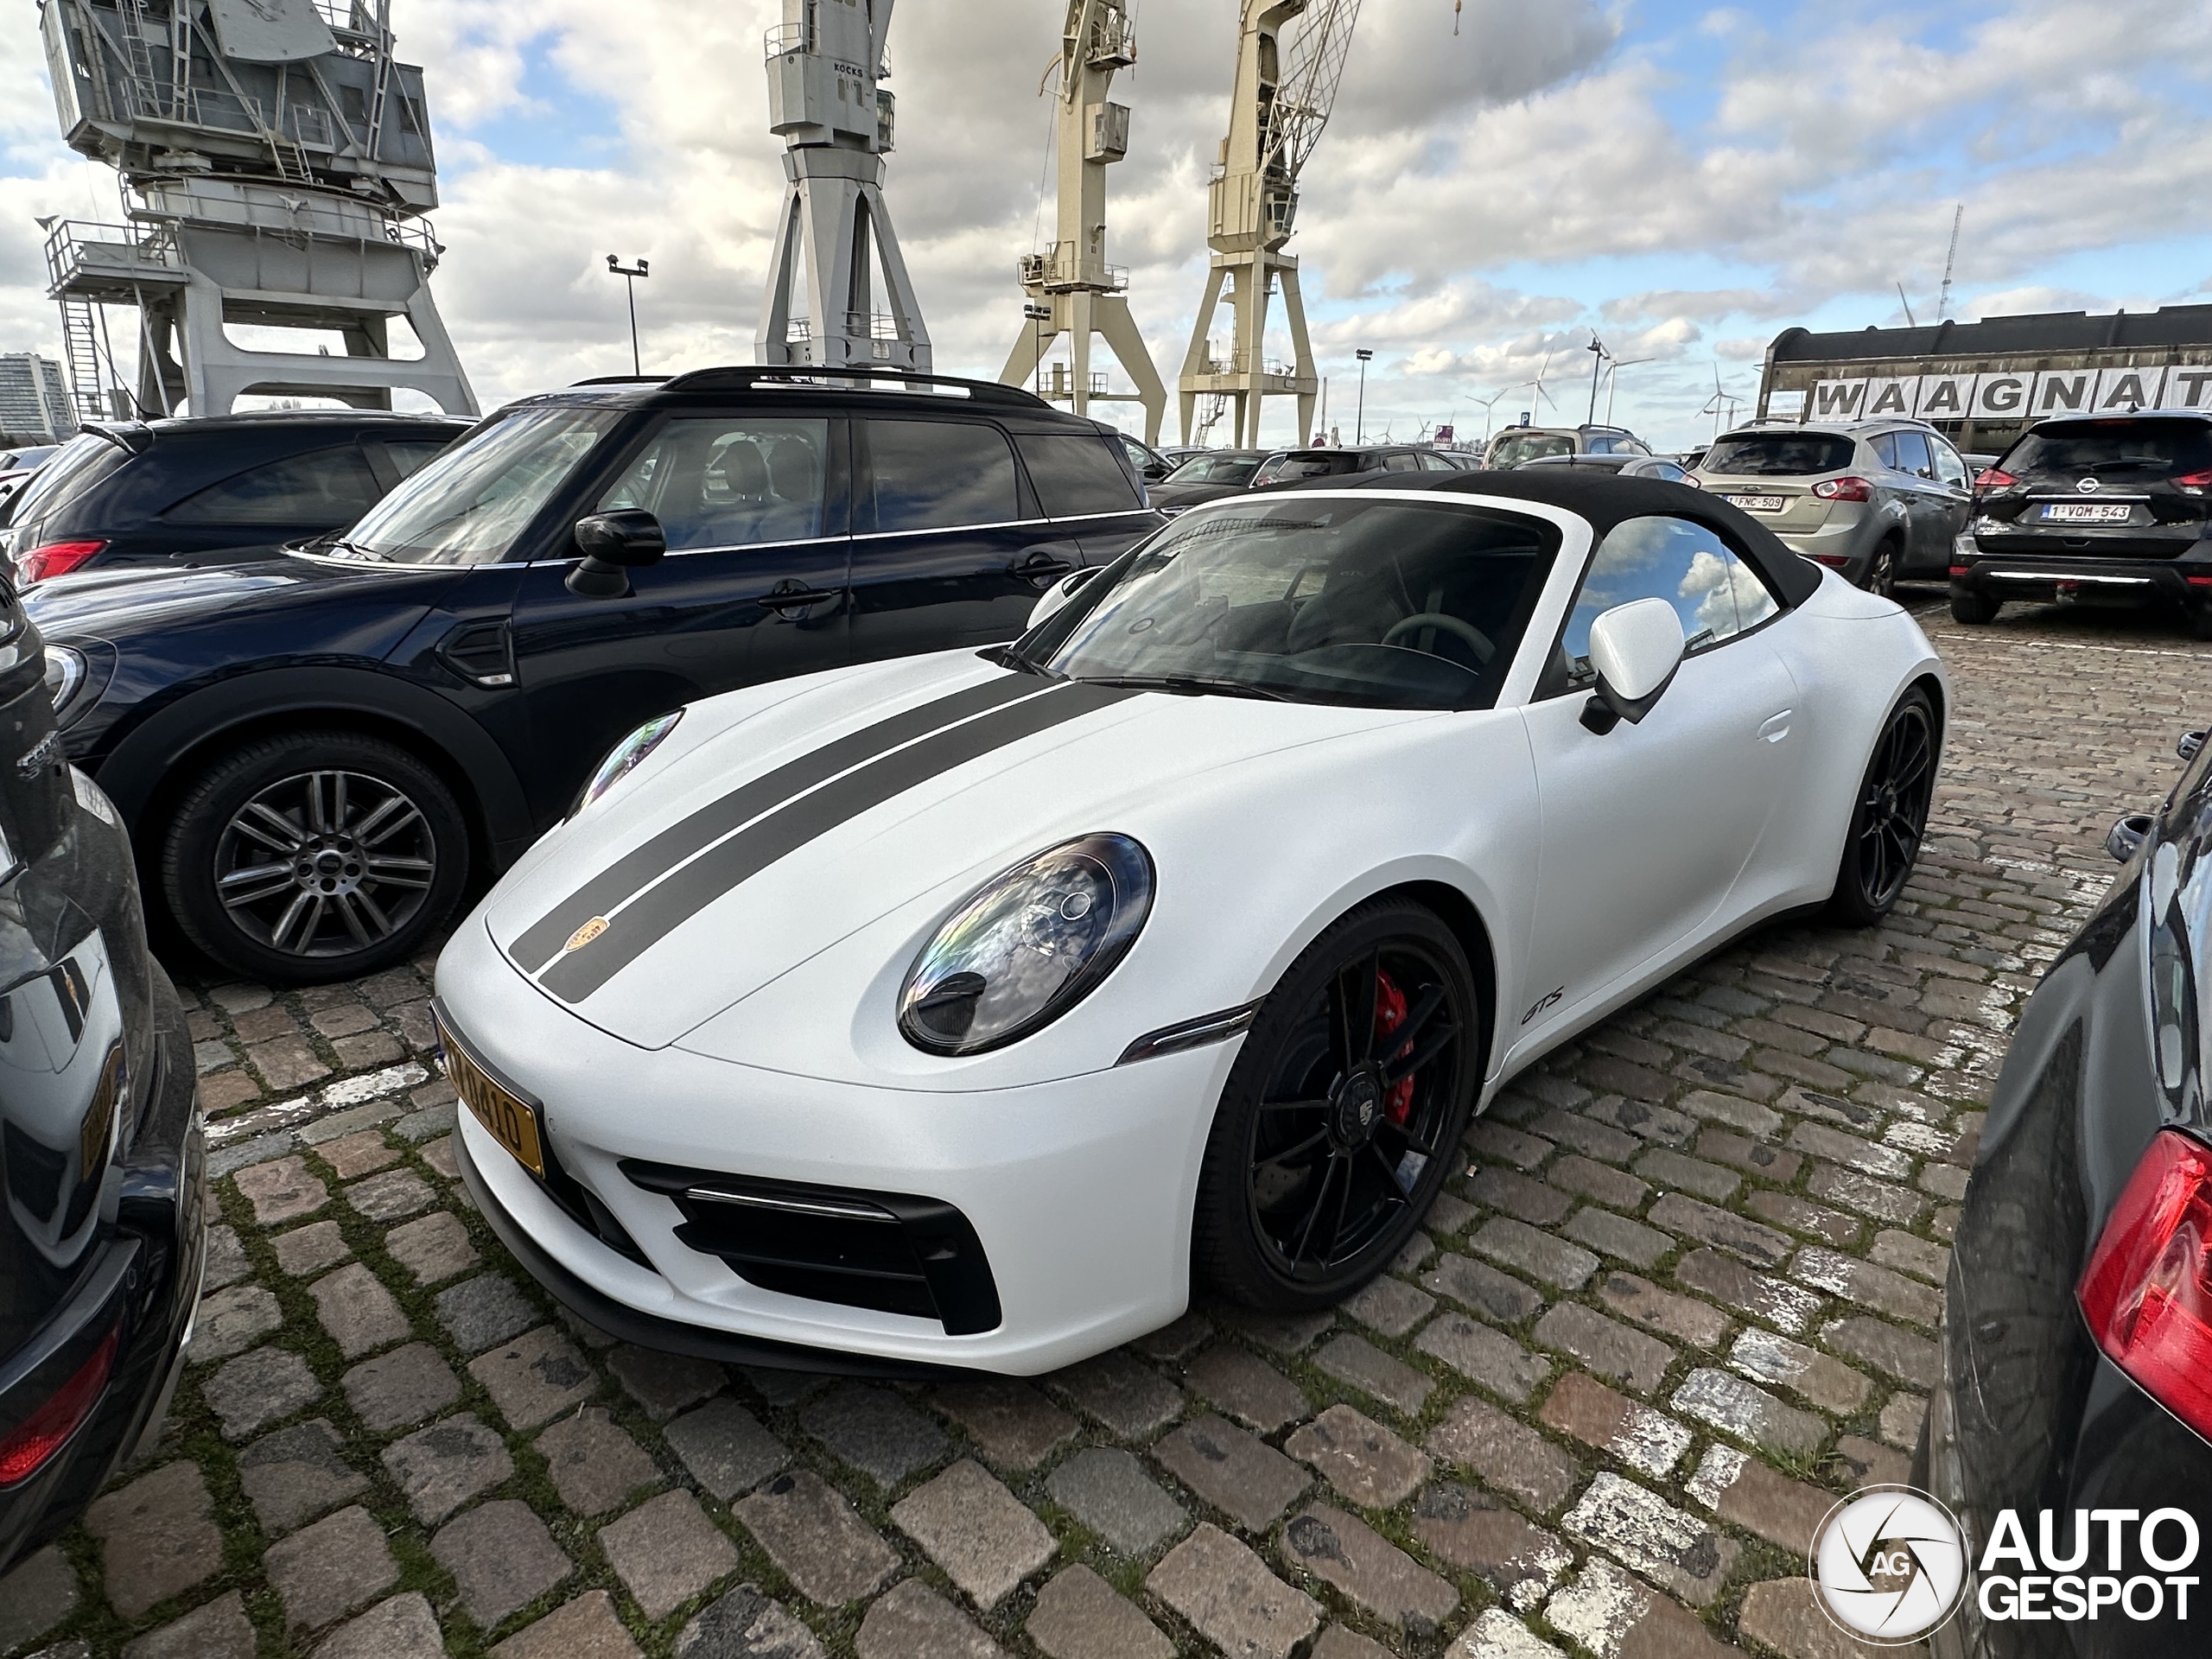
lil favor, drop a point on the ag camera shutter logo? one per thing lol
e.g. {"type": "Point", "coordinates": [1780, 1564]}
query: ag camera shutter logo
{"type": "Point", "coordinates": [1891, 1564]}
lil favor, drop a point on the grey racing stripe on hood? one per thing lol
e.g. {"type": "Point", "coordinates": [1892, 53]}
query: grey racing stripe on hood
{"type": "Point", "coordinates": [635, 927]}
{"type": "Point", "coordinates": [649, 861]}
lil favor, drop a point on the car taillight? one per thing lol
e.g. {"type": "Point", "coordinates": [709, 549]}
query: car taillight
{"type": "Point", "coordinates": [2147, 1291]}
{"type": "Point", "coordinates": [53, 559]}
{"type": "Point", "coordinates": [2195, 483]}
{"type": "Point", "coordinates": [1990, 478]}
{"type": "Point", "coordinates": [1959, 570]}
{"type": "Point", "coordinates": [46, 1430]}
{"type": "Point", "coordinates": [1844, 489]}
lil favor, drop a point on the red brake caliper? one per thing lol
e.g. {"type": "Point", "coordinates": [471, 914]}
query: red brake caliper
{"type": "Point", "coordinates": [1389, 1014]}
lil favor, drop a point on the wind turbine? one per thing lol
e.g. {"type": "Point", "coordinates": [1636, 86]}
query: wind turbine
{"type": "Point", "coordinates": [1613, 379]}
{"type": "Point", "coordinates": [1488, 404]}
{"type": "Point", "coordinates": [1715, 403]}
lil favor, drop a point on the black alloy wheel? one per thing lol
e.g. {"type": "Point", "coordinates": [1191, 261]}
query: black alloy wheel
{"type": "Point", "coordinates": [1890, 815]}
{"type": "Point", "coordinates": [314, 856]}
{"type": "Point", "coordinates": [1342, 1114]}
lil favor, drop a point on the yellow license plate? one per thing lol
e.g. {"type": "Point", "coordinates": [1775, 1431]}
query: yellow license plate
{"type": "Point", "coordinates": [510, 1120]}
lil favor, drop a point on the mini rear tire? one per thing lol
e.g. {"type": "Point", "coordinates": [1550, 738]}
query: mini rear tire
{"type": "Point", "coordinates": [314, 855]}
{"type": "Point", "coordinates": [1882, 570]}
{"type": "Point", "coordinates": [1342, 1116]}
{"type": "Point", "coordinates": [1975, 608]}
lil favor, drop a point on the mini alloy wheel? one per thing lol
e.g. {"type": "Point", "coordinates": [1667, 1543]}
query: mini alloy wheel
{"type": "Point", "coordinates": [315, 856]}
{"type": "Point", "coordinates": [1342, 1114]}
{"type": "Point", "coordinates": [1889, 817]}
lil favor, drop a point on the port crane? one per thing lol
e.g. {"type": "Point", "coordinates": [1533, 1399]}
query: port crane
{"type": "Point", "coordinates": [1071, 288]}
{"type": "Point", "coordinates": [1278, 110]}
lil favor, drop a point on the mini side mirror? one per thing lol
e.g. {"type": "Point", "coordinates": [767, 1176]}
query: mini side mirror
{"type": "Point", "coordinates": [1634, 648]}
{"type": "Point", "coordinates": [613, 544]}
{"type": "Point", "coordinates": [2127, 835]}
{"type": "Point", "coordinates": [2190, 744]}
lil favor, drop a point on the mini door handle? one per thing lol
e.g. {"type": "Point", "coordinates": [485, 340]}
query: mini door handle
{"type": "Point", "coordinates": [797, 596]}
{"type": "Point", "coordinates": [1776, 727]}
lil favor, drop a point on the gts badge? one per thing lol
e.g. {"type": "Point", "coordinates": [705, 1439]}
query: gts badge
{"type": "Point", "coordinates": [1550, 999]}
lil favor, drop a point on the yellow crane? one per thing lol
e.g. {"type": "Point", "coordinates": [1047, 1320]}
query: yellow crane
{"type": "Point", "coordinates": [1071, 289]}
{"type": "Point", "coordinates": [1277, 111]}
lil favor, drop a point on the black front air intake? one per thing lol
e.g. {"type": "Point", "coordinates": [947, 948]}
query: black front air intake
{"type": "Point", "coordinates": [890, 1251]}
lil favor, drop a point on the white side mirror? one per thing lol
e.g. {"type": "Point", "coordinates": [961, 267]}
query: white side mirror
{"type": "Point", "coordinates": [1059, 594]}
{"type": "Point", "coordinates": [1634, 648]}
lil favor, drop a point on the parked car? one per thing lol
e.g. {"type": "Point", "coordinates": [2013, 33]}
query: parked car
{"type": "Point", "coordinates": [221, 489]}
{"type": "Point", "coordinates": [1882, 501]}
{"type": "Point", "coordinates": [316, 751]}
{"type": "Point", "coordinates": [982, 1054]}
{"type": "Point", "coordinates": [1660, 466]}
{"type": "Point", "coordinates": [1150, 465]}
{"type": "Point", "coordinates": [16, 467]}
{"type": "Point", "coordinates": [1515, 444]}
{"type": "Point", "coordinates": [1176, 454]}
{"type": "Point", "coordinates": [1208, 477]}
{"type": "Point", "coordinates": [2104, 510]}
{"type": "Point", "coordinates": [1300, 466]}
{"type": "Point", "coordinates": [2072, 1373]}
{"type": "Point", "coordinates": [101, 1234]}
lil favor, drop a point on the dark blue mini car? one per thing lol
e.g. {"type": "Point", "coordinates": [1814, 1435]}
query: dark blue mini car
{"type": "Point", "coordinates": [317, 753]}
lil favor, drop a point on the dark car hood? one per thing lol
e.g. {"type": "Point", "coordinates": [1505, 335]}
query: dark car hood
{"type": "Point", "coordinates": [131, 601]}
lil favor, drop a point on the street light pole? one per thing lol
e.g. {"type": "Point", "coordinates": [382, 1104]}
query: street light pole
{"type": "Point", "coordinates": [1597, 349]}
{"type": "Point", "coordinates": [1359, 415]}
{"type": "Point", "coordinates": [629, 273]}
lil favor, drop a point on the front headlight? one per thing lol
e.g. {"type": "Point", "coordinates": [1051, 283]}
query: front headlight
{"type": "Point", "coordinates": [1027, 947]}
{"type": "Point", "coordinates": [64, 675]}
{"type": "Point", "coordinates": [625, 758]}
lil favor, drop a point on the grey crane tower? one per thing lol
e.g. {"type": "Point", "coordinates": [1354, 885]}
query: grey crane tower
{"type": "Point", "coordinates": [835, 234]}
{"type": "Point", "coordinates": [276, 162]}
{"type": "Point", "coordinates": [1072, 289]}
{"type": "Point", "coordinates": [1276, 116]}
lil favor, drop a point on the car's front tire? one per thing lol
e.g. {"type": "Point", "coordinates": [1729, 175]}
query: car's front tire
{"type": "Point", "coordinates": [314, 855]}
{"type": "Point", "coordinates": [1342, 1117]}
{"type": "Point", "coordinates": [1975, 608]}
{"type": "Point", "coordinates": [1889, 815]}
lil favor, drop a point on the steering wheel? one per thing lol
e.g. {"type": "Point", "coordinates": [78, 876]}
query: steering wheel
{"type": "Point", "coordinates": [1467, 633]}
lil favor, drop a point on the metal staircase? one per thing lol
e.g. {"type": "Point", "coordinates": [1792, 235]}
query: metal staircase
{"type": "Point", "coordinates": [81, 343]}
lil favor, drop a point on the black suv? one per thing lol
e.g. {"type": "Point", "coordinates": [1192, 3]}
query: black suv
{"type": "Point", "coordinates": [100, 1152]}
{"type": "Point", "coordinates": [316, 751]}
{"type": "Point", "coordinates": [1300, 466]}
{"type": "Point", "coordinates": [213, 490]}
{"type": "Point", "coordinates": [2099, 510]}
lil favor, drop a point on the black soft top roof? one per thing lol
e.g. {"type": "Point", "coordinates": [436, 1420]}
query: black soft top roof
{"type": "Point", "coordinates": [1607, 498]}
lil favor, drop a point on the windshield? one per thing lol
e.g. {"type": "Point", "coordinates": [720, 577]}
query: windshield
{"type": "Point", "coordinates": [1530, 446]}
{"type": "Point", "coordinates": [1779, 454]}
{"type": "Point", "coordinates": [1387, 604]}
{"type": "Point", "coordinates": [82, 462]}
{"type": "Point", "coordinates": [1216, 469]}
{"type": "Point", "coordinates": [470, 505]}
{"type": "Point", "coordinates": [2164, 448]}
{"type": "Point", "coordinates": [15, 461]}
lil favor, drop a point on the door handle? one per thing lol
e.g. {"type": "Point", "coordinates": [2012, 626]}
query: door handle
{"type": "Point", "coordinates": [793, 598]}
{"type": "Point", "coordinates": [1776, 727]}
{"type": "Point", "coordinates": [1042, 564]}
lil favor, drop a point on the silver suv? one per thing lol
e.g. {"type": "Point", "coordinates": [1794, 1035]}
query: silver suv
{"type": "Point", "coordinates": [1879, 501]}
{"type": "Point", "coordinates": [1518, 445]}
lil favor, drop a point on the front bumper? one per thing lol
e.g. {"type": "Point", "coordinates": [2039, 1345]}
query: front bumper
{"type": "Point", "coordinates": [1079, 1191]}
{"type": "Point", "coordinates": [146, 1287]}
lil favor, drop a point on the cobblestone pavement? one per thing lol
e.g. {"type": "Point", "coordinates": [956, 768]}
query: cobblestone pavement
{"type": "Point", "coordinates": [1681, 1299]}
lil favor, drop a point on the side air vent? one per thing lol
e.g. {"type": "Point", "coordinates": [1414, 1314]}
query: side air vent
{"type": "Point", "coordinates": [482, 653]}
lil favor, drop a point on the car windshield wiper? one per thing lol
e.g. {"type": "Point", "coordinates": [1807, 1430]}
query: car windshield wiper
{"type": "Point", "coordinates": [346, 549]}
{"type": "Point", "coordinates": [1189, 685]}
{"type": "Point", "coordinates": [1008, 657]}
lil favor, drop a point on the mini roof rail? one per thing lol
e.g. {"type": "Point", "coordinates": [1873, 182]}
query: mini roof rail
{"type": "Point", "coordinates": [981, 391]}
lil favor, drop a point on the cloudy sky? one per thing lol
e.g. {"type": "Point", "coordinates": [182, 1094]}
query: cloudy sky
{"type": "Point", "coordinates": [1684, 181]}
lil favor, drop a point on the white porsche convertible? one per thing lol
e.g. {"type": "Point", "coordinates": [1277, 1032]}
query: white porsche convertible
{"type": "Point", "coordinates": [966, 1009]}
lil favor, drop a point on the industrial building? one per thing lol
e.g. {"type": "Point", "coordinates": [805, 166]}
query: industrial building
{"type": "Point", "coordinates": [1984, 382]}
{"type": "Point", "coordinates": [34, 402]}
